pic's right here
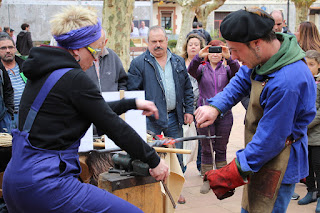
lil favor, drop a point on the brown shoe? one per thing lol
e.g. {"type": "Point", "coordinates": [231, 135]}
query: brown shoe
{"type": "Point", "coordinates": [181, 200]}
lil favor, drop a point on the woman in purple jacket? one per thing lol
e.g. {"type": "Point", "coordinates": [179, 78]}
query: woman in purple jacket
{"type": "Point", "coordinates": [213, 75]}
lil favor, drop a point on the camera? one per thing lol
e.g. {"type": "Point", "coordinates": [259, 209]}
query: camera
{"type": "Point", "coordinates": [215, 49]}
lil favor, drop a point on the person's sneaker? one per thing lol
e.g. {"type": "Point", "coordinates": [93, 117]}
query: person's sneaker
{"type": "Point", "coordinates": [309, 198]}
{"type": "Point", "coordinates": [295, 196]}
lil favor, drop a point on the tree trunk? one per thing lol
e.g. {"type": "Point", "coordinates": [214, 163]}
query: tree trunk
{"type": "Point", "coordinates": [117, 18]}
{"type": "Point", "coordinates": [301, 14]}
{"type": "Point", "coordinates": [186, 26]}
{"type": "Point", "coordinates": [201, 16]}
{"type": "Point", "coordinates": [204, 11]}
{"type": "Point", "coordinates": [302, 9]}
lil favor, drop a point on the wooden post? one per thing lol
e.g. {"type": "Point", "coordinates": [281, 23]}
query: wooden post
{"type": "Point", "coordinates": [122, 96]}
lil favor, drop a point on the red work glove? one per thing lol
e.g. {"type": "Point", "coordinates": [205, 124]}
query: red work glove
{"type": "Point", "coordinates": [223, 181]}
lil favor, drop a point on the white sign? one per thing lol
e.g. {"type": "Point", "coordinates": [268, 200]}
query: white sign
{"type": "Point", "coordinates": [133, 117]}
{"type": "Point", "coordinates": [86, 143]}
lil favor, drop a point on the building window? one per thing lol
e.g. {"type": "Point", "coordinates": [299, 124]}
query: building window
{"type": "Point", "coordinates": [166, 20]}
{"type": "Point", "coordinates": [218, 17]}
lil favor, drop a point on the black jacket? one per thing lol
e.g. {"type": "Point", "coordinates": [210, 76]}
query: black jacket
{"type": "Point", "coordinates": [72, 105]}
{"type": "Point", "coordinates": [6, 90]}
{"type": "Point", "coordinates": [144, 75]}
{"type": "Point", "coordinates": [24, 42]}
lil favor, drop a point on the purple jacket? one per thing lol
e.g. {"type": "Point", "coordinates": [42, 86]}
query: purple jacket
{"type": "Point", "coordinates": [211, 81]}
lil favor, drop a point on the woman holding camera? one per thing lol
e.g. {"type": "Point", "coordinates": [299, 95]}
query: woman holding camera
{"type": "Point", "coordinates": [213, 75]}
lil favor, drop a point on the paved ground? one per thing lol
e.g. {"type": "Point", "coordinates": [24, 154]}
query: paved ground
{"type": "Point", "coordinates": [199, 203]}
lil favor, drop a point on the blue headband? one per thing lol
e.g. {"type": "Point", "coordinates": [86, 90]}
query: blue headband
{"type": "Point", "coordinates": [76, 39]}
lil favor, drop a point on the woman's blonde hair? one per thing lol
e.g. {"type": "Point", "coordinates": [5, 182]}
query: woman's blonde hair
{"type": "Point", "coordinates": [309, 36]}
{"type": "Point", "coordinates": [185, 45]}
{"type": "Point", "coordinates": [72, 18]}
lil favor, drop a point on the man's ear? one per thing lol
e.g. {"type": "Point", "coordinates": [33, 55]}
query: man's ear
{"type": "Point", "coordinates": [254, 43]}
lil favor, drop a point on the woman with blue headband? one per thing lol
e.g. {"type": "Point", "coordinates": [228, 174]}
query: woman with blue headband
{"type": "Point", "coordinates": [57, 107]}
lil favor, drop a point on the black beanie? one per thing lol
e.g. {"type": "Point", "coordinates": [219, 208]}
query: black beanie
{"type": "Point", "coordinates": [243, 26]}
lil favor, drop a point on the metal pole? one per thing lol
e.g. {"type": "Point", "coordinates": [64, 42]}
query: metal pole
{"type": "Point", "coordinates": [288, 11]}
{"type": "Point", "coordinates": [9, 15]}
{"type": "Point", "coordinates": [151, 13]}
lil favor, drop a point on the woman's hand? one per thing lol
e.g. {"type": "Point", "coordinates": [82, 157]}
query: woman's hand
{"type": "Point", "coordinates": [188, 118]}
{"type": "Point", "coordinates": [161, 172]}
{"type": "Point", "coordinates": [225, 52]}
{"type": "Point", "coordinates": [203, 53]}
{"type": "Point", "coordinates": [148, 107]}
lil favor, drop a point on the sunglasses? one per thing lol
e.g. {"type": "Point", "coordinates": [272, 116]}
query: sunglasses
{"type": "Point", "coordinates": [94, 52]}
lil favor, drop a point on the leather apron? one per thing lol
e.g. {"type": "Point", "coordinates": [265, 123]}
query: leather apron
{"type": "Point", "coordinates": [260, 194]}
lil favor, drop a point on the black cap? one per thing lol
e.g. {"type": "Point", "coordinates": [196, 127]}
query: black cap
{"type": "Point", "coordinates": [246, 25]}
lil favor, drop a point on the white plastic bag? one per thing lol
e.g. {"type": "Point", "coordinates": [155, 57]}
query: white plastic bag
{"type": "Point", "coordinates": [190, 130]}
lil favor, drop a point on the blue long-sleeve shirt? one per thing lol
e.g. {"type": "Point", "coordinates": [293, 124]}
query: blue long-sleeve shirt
{"type": "Point", "coordinates": [288, 106]}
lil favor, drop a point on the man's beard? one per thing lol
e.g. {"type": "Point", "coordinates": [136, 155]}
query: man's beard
{"type": "Point", "coordinates": [6, 59]}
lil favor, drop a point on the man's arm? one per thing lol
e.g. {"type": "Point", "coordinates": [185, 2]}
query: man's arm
{"type": "Point", "coordinates": [123, 79]}
{"type": "Point", "coordinates": [135, 78]}
{"type": "Point", "coordinates": [8, 92]}
{"type": "Point", "coordinates": [188, 93]}
{"type": "Point", "coordinates": [238, 87]}
{"type": "Point", "coordinates": [316, 120]}
{"type": "Point", "coordinates": [30, 44]}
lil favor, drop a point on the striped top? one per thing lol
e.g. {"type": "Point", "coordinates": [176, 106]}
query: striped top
{"type": "Point", "coordinates": [17, 85]}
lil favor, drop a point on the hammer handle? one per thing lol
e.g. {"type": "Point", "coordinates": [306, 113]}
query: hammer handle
{"type": "Point", "coordinates": [158, 149]}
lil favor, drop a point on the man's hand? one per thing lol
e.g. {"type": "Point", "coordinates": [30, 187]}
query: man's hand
{"type": "Point", "coordinates": [148, 107]}
{"type": "Point", "coordinates": [205, 116]}
{"type": "Point", "coordinates": [188, 118]}
{"type": "Point", "coordinates": [161, 172]}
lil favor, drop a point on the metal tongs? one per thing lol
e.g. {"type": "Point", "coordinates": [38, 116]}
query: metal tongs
{"type": "Point", "coordinates": [171, 141]}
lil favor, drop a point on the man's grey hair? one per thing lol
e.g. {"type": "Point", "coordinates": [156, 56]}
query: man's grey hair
{"type": "Point", "coordinates": [157, 27]}
{"type": "Point", "coordinates": [6, 36]}
{"type": "Point", "coordinates": [279, 12]}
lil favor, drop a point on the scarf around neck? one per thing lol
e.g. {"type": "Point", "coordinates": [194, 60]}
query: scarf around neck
{"type": "Point", "coordinates": [289, 52]}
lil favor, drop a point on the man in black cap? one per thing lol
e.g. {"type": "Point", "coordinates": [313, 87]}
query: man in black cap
{"type": "Point", "coordinates": [282, 95]}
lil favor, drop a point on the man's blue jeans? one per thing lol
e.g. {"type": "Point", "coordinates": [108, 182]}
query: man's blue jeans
{"type": "Point", "coordinates": [283, 199]}
{"type": "Point", "coordinates": [174, 130]}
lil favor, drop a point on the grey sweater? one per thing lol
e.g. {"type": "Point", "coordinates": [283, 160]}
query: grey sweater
{"type": "Point", "coordinates": [112, 74]}
{"type": "Point", "coordinates": [314, 126]}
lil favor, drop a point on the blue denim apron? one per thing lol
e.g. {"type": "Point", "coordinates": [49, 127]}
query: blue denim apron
{"type": "Point", "coordinates": [39, 181]}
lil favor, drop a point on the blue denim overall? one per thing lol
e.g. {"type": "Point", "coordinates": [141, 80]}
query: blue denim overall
{"type": "Point", "coordinates": [40, 181]}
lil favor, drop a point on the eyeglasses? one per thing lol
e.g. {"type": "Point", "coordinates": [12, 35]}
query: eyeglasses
{"type": "Point", "coordinates": [94, 52]}
{"type": "Point", "coordinates": [8, 47]}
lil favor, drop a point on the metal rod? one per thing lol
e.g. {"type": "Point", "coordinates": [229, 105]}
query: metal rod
{"type": "Point", "coordinates": [210, 141]}
{"type": "Point", "coordinates": [169, 194]}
